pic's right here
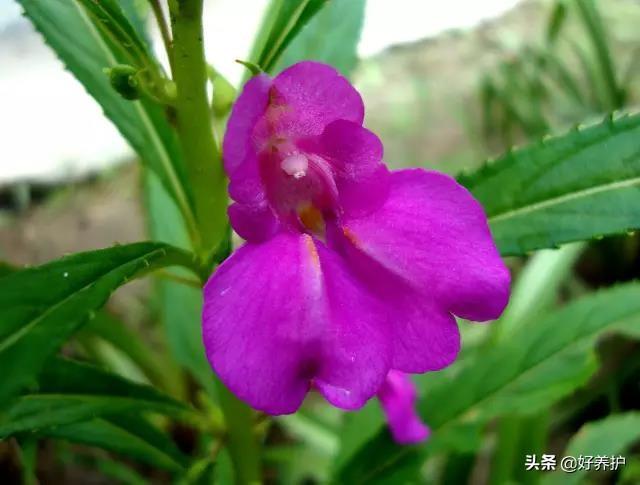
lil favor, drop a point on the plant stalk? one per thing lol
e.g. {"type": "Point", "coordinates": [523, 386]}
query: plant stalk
{"type": "Point", "coordinates": [194, 125]}
{"type": "Point", "coordinates": [204, 169]}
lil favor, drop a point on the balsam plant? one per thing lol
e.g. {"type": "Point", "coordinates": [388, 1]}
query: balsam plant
{"type": "Point", "coordinates": [348, 281]}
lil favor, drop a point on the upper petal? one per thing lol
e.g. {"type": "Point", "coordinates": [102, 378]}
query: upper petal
{"type": "Point", "coordinates": [433, 234]}
{"type": "Point", "coordinates": [313, 95]}
{"type": "Point", "coordinates": [285, 314]}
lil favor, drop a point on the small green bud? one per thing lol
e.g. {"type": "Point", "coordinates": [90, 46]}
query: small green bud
{"type": "Point", "coordinates": [170, 89]}
{"type": "Point", "coordinates": [252, 66]}
{"type": "Point", "coordinates": [123, 79]}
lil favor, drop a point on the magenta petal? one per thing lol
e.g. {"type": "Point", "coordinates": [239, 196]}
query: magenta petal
{"type": "Point", "coordinates": [314, 95]}
{"type": "Point", "coordinates": [355, 154]}
{"type": "Point", "coordinates": [356, 342]}
{"type": "Point", "coordinates": [247, 110]}
{"type": "Point", "coordinates": [254, 223]}
{"type": "Point", "coordinates": [251, 216]}
{"type": "Point", "coordinates": [433, 234]}
{"type": "Point", "coordinates": [282, 315]}
{"type": "Point", "coordinates": [398, 397]}
{"type": "Point", "coordinates": [425, 338]}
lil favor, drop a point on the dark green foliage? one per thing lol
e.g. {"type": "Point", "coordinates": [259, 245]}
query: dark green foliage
{"type": "Point", "coordinates": [41, 307]}
{"type": "Point", "coordinates": [581, 185]}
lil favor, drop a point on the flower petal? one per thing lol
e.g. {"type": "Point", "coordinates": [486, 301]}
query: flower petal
{"type": "Point", "coordinates": [314, 95]}
{"type": "Point", "coordinates": [255, 223]}
{"type": "Point", "coordinates": [357, 343]}
{"type": "Point", "coordinates": [398, 397]}
{"type": "Point", "coordinates": [433, 234]}
{"type": "Point", "coordinates": [424, 337]}
{"type": "Point", "coordinates": [355, 154]}
{"type": "Point", "coordinates": [247, 110]}
{"type": "Point", "coordinates": [283, 315]}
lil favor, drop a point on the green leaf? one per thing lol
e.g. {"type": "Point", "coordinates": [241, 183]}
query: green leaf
{"type": "Point", "coordinates": [43, 306]}
{"type": "Point", "coordinates": [595, 29]}
{"type": "Point", "coordinates": [109, 467]}
{"type": "Point", "coordinates": [556, 20]}
{"type": "Point", "coordinates": [343, 20]}
{"type": "Point", "coordinates": [537, 366]}
{"type": "Point", "coordinates": [608, 437]}
{"type": "Point", "coordinates": [201, 472]}
{"type": "Point", "coordinates": [71, 392]}
{"type": "Point", "coordinates": [578, 186]}
{"type": "Point", "coordinates": [556, 69]}
{"type": "Point", "coordinates": [121, 337]}
{"type": "Point", "coordinates": [86, 50]}
{"type": "Point", "coordinates": [536, 288]}
{"type": "Point", "coordinates": [139, 441]}
{"type": "Point", "coordinates": [284, 19]}
{"type": "Point", "coordinates": [179, 306]}
{"type": "Point", "coordinates": [109, 18]}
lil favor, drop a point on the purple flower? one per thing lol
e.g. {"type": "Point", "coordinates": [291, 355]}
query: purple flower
{"type": "Point", "coordinates": [398, 397]}
{"type": "Point", "coordinates": [349, 270]}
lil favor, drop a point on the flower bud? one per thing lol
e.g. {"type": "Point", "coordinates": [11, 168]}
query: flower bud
{"type": "Point", "coordinates": [123, 79]}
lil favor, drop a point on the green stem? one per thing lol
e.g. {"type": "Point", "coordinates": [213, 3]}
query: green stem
{"type": "Point", "coordinates": [194, 125]}
{"type": "Point", "coordinates": [241, 440]}
{"type": "Point", "coordinates": [206, 177]}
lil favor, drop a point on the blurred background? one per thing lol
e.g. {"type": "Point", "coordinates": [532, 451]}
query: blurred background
{"type": "Point", "coordinates": [446, 85]}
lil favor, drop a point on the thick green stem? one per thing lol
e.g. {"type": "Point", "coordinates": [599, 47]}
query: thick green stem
{"type": "Point", "coordinates": [206, 177]}
{"type": "Point", "coordinates": [194, 124]}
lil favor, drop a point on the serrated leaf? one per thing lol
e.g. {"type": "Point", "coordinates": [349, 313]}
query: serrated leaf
{"type": "Point", "coordinates": [343, 19]}
{"type": "Point", "coordinates": [41, 307]}
{"type": "Point", "coordinates": [537, 366]}
{"type": "Point", "coordinates": [70, 392]}
{"type": "Point", "coordinates": [109, 18]}
{"type": "Point", "coordinates": [608, 437]}
{"type": "Point", "coordinates": [577, 186]}
{"type": "Point", "coordinates": [86, 50]}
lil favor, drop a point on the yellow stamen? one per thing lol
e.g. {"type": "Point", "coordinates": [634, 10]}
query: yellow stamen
{"type": "Point", "coordinates": [312, 219]}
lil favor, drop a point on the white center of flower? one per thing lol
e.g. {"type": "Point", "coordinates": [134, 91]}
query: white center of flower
{"type": "Point", "coordinates": [295, 165]}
